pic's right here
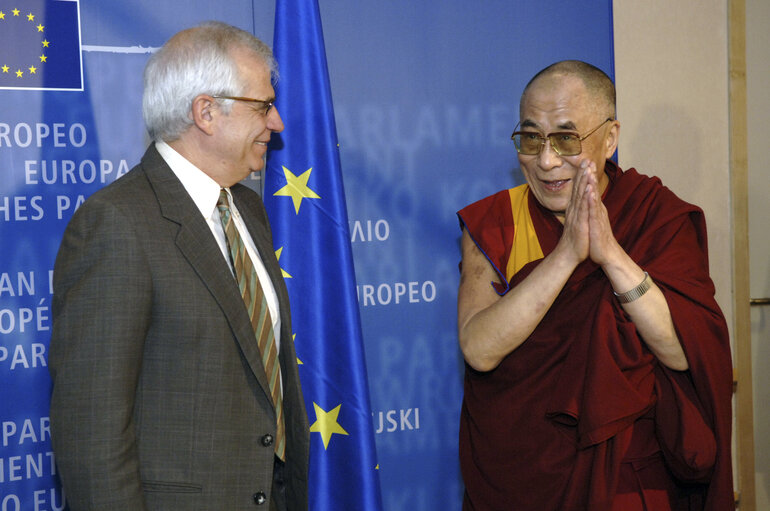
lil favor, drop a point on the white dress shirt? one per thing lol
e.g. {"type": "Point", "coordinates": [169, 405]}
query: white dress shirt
{"type": "Point", "coordinates": [204, 192]}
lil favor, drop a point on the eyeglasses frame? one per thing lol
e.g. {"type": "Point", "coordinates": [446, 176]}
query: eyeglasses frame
{"type": "Point", "coordinates": [555, 133]}
{"type": "Point", "coordinates": [267, 104]}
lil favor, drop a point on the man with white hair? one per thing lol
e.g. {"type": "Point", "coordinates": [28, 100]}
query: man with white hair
{"type": "Point", "coordinates": [175, 381]}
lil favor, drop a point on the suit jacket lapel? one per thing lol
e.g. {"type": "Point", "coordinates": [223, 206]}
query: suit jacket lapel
{"type": "Point", "coordinates": [198, 246]}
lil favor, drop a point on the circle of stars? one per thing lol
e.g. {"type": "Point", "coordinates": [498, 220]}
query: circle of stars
{"type": "Point", "coordinates": [39, 27]}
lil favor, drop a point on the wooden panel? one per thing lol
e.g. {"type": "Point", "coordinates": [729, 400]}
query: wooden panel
{"type": "Point", "coordinates": [744, 420]}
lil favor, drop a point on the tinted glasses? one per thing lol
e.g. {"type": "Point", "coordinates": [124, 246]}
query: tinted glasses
{"type": "Point", "coordinates": [565, 143]}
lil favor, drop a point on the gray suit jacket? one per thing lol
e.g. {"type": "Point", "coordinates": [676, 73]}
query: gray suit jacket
{"type": "Point", "coordinates": [160, 400]}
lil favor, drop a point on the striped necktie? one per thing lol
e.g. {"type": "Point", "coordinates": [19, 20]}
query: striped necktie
{"type": "Point", "coordinates": [256, 304]}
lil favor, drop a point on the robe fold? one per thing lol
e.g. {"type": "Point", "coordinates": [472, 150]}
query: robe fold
{"type": "Point", "coordinates": [582, 403]}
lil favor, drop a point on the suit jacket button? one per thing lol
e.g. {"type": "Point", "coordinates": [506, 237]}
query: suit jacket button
{"type": "Point", "coordinates": [267, 440]}
{"type": "Point", "coordinates": [260, 498]}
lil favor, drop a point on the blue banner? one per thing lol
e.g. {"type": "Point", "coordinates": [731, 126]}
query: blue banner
{"type": "Point", "coordinates": [425, 98]}
{"type": "Point", "coordinates": [305, 201]}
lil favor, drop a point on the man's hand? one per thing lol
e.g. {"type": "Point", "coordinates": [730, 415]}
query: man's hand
{"type": "Point", "coordinates": [603, 247]}
{"type": "Point", "coordinates": [575, 240]}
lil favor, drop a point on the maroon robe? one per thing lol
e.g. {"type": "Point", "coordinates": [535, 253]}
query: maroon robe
{"type": "Point", "coordinates": [581, 415]}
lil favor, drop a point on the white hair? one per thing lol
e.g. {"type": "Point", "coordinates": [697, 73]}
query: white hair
{"type": "Point", "coordinates": [193, 62]}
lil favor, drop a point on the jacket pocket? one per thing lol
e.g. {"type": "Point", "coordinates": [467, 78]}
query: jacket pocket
{"type": "Point", "coordinates": [171, 487]}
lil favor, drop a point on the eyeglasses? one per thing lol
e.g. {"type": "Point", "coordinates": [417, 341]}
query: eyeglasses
{"type": "Point", "coordinates": [264, 106]}
{"type": "Point", "coordinates": [565, 143]}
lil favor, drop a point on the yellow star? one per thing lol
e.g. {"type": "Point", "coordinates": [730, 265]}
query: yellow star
{"type": "Point", "coordinates": [15, 12]}
{"type": "Point", "coordinates": [2, 15]}
{"type": "Point", "coordinates": [32, 69]}
{"type": "Point", "coordinates": [19, 73]}
{"type": "Point", "coordinates": [326, 424]}
{"type": "Point", "coordinates": [45, 43]}
{"type": "Point", "coordinates": [278, 257]}
{"type": "Point", "coordinates": [40, 28]}
{"type": "Point", "coordinates": [31, 17]}
{"type": "Point", "coordinates": [299, 362]}
{"type": "Point", "coordinates": [43, 58]}
{"type": "Point", "coordinates": [5, 69]}
{"type": "Point", "coordinates": [296, 188]}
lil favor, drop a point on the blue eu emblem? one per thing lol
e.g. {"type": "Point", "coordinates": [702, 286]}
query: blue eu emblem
{"type": "Point", "coordinates": [40, 45]}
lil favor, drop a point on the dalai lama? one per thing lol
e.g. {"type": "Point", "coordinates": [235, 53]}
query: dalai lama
{"type": "Point", "coordinates": [598, 372]}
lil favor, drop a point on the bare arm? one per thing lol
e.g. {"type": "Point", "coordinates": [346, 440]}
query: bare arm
{"type": "Point", "coordinates": [490, 326]}
{"type": "Point", "coordinates": [650, 312]}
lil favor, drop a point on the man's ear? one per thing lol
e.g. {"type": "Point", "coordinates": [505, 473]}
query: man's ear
{"type": "Point", "coordinates": [611, 140]}
{"type": "Point", "coordinates": [203, 113]}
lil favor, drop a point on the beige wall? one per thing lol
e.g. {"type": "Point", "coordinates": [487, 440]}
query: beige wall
{"type": "Point", "coordinates": [671, 77]}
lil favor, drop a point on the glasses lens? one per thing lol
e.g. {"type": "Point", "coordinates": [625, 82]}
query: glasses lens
{"type": "Point", "coordinates": [262, 107]}
{"type": "Point", "coordinates": [566, 144]}
{"type": "Point", "coordinates": [528, 143]}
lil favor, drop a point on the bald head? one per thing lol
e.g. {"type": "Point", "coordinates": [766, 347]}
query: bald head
{"type": "Point", "coordinates": [598, 85]}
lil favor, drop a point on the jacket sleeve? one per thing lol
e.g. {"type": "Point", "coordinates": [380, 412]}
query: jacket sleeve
{"type": "Point", "coordinates": [101, 313]}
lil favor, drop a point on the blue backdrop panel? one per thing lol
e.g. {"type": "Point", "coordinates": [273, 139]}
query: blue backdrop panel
{"type": "Point", "coordinates": [426, 97]}
{"type": "Point", "coordinates": [425, 100]}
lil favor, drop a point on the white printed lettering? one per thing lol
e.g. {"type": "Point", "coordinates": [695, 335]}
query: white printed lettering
{"type": "Point", "coordinates": [396, 293]}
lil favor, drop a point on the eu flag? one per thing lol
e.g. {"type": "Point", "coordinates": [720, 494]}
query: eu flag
{"type": "Point", "coordinates": [40, 45]}
{"type": "Point", "coordinates": [305, 200]}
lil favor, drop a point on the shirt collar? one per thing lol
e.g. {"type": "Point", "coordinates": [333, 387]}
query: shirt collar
{"type": "Point", "coordinates": [203, 190]}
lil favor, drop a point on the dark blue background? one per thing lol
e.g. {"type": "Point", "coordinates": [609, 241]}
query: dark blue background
{"type": "Point", "coordinates": [425, 95]}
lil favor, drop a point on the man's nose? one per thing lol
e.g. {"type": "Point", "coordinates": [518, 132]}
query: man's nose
{"type": "Point", "coordinates": [548, 157]}
{"type": "Point", "coordinates": [274, 121]}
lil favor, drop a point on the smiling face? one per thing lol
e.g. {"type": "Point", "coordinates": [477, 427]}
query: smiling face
{"type": "Point", "coordinates": [242, 135]}
{"type": "Point", "coordinates": [561, 103]}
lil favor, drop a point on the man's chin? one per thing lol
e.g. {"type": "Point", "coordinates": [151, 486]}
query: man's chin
{"type": "Point", "coordinates": [557, 211]}
{"type": "Point", "coordinates": [258, 165]}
